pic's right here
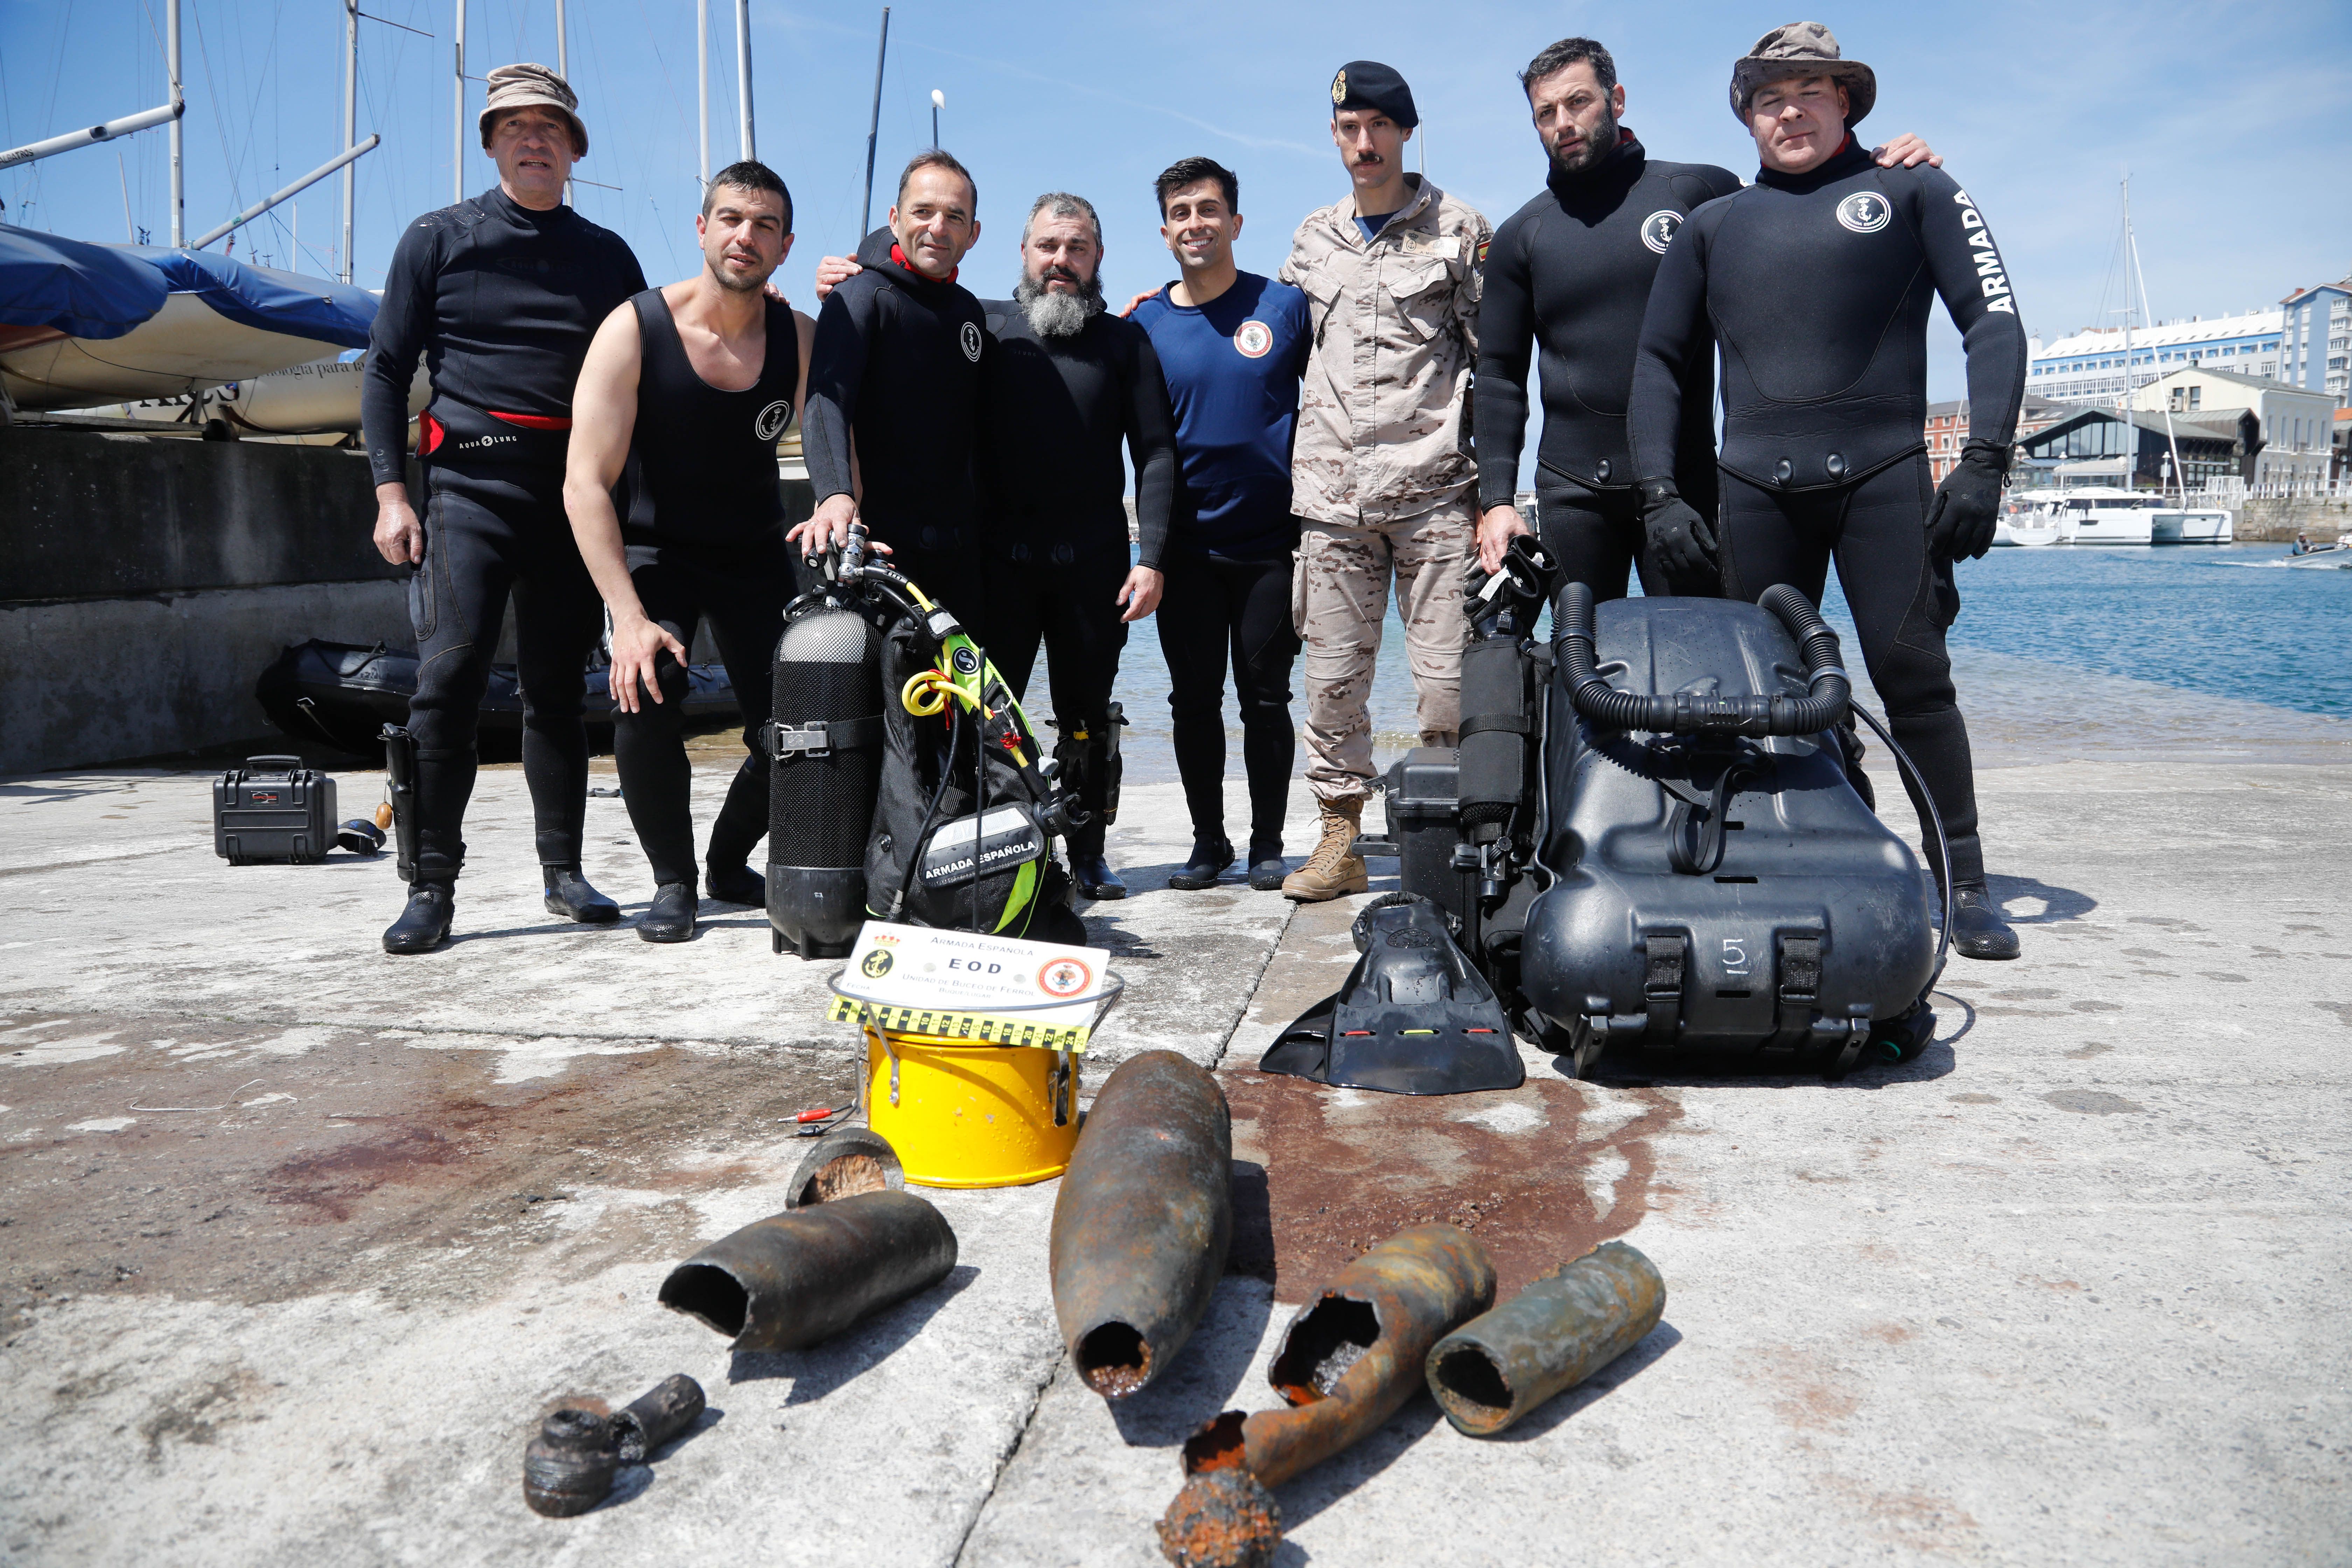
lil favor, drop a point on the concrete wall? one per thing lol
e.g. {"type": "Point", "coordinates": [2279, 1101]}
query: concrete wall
{"type": "Point", "coordinates": [88, 681]}
{"type": "Point", "coordinates": [146, 582]}
{"type": "Point", "coordinates": [2278, 519]}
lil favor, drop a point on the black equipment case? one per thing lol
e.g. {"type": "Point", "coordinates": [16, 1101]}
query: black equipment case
{"type": "Point", "coordinates": [273, 810]}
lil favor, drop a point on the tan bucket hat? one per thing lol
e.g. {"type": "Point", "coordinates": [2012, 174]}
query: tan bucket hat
{"type": "Point", "coordinates": [519, 86]}
{"type": "Point", "coordinates": [1802, 48]}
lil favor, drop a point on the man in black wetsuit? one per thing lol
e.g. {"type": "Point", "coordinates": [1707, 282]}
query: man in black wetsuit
{"type": "Point", "coordinates": [1818, 279]}
{"type": "Point", "coordinates": [501, 295]}
{"type": "Point", "coordinates": [895, 377]}
{"type": "Point", "coordinates": [1067, 385]}
{"type": "Point", "coordinates": [1570, 272]}
{"type": "Point", "coordinates": [687, 388]}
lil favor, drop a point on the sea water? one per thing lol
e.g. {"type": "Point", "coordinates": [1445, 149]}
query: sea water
{"type": "Point", "coordinates": [2173, 652]}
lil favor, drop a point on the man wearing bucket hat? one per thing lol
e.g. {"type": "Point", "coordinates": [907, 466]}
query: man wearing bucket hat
{"type": "Point", "coordinates": [501, 295]}
{"type": "Point", "coordinates": [1569, 276]}
{"type": "Point", "coordinates": [1818, 280]}
{"type": "Point", "coordinates": [1381, 472]}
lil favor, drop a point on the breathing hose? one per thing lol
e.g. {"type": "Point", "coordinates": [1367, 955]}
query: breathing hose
{"type": "Point", "coordinates": [1828, 691]}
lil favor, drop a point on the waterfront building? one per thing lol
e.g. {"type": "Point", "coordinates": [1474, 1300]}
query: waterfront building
{"type": "Point", "coordinates": [2317, 340]}
{"type": "Point", "coordinates": [2089, 368]}
{"type": "Point", "coordinates": [2296, 426]}
{"type": "Point", "coordinates": [1948, 429]}
{"type": "Point", "coordinates": [2125, 450]}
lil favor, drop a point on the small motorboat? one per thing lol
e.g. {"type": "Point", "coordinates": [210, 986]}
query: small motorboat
{"type": "Point", "coordinates": [343, 695]}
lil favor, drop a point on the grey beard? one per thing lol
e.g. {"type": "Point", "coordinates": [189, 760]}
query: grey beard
{"type": "Point", "coordinates": [1596, 147]}
{"type": "Point", "coordinates": [1057, 315]}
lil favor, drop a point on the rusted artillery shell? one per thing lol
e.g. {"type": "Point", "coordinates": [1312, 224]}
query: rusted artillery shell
{"type": "Point", "coordinates": [845, 1161]}
{"type": "Point", "coordinates": [1222, 1519]}
{"type": "Point", "coordinates": [1143, 1220]}
{"type": "Point", "coordinates": [568, 1468]}
{"type": "Point", "coordinates": [792, 1280]}
{"type": "Point", "coordinates": [655, 1416]}
{"type": "Point", "coordinates": [1546, 1339]}
{"type": "Point", "coordinates": [1354, 1354]}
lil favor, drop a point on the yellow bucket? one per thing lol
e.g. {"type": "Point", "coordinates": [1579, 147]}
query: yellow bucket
{"type": "Point", "coordinates": [961, 1114]}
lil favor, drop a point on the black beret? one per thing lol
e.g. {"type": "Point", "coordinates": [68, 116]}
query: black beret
{"type": "Point", "coordinates": [1368, 84]}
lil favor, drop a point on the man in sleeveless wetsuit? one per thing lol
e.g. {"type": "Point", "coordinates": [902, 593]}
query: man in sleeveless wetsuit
{"type": "Point", "coordinates": [1818, 279]}
{"type": "Point", "coordinates": [1233, 347]}
{"type": "Point", "coordinates": [688, 387]}
{"type": "Point", "coordinates": [501, 295]}
{"type": "Point", "coordinates": [895, 374]}
{"type": "Point", "coordinates": [1067, 386]}
{"type": "Point", "coordinates": [1569, 275]}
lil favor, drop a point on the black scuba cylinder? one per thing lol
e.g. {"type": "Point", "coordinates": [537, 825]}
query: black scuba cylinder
{"type": "Point", "coordinates": [826, 740]}
{"type": "Point", "coordinates": [400, 783]}
{"type": "Point", "coordinates": [1502, 693]}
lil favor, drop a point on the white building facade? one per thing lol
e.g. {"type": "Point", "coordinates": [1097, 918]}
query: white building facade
{"type": "Point", "coordinates": [2317, 340]}
{"type": "Point", "coordinates": [2297, 427]}
{"type": "Point", "coordinates": [2089, 367]}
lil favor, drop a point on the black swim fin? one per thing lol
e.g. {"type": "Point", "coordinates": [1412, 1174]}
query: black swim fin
{"type": "Point", "coordinates": [1414, 1017]}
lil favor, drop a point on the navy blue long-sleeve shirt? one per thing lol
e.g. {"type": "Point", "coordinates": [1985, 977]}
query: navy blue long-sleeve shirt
{"type": "Point", "coordinates": [501, 301]}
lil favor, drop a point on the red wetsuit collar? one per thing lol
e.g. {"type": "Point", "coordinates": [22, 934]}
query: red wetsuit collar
{"type": "Point", "coordinates": [899, 256]}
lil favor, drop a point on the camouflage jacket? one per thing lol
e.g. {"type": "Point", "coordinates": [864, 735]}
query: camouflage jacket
{"type": "Point", "coordinates": [1385, 417]}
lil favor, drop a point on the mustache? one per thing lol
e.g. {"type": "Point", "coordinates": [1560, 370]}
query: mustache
{"type": "Point", "coordinates": [1055, 270]}
{"type": "Point", "coordinates": [1369, 158]}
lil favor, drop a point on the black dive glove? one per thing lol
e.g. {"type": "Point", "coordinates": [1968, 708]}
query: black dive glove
{"type": "Point", "coordinates": [1967, 505]}
{"type": "Point", "coordinates": [1680, 543]}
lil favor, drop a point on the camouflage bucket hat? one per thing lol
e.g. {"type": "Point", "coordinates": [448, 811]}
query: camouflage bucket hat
{"type": "Point", "coordinates": [1802, 48]}
{"type": "Point", "coordinates": [523, 86]}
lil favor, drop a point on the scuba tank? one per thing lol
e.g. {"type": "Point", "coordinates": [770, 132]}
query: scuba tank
{"type": "Point", "coordinates": [825, 743]}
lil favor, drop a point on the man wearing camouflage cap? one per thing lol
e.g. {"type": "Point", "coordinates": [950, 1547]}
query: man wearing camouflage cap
{"type": "Point", "coordinates": [1382, 473]}
{"type": "Point", "coordinates": [500, 295]}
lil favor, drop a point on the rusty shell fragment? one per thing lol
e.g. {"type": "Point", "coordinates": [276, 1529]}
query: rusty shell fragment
{"type": "Point", "coordinates": [646, 1424]}
{"type": "Point", "coordinates": [1222, 1519]}
{"type": "Point", "coordinates": [568, 1468]}
{"type": "Point", "coordinates": [1354, 1355]}
{"type": "Point", "coordinates": [792, 1280]}
{"type": "Point", "coordinates": [1546, 1339]}
{"type": "Point", "coordinates": [1143, 1221]}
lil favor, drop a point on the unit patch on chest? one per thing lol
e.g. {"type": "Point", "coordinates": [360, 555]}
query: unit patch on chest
{"type": "Point", "coordinates": [1252, 340]}
{"type": "Point", "coordinates": [1659, 228]}
{"type": "Point", "coordinates": [773, 419]}
{"type": "Point", "coordinates": [1864, 212]}
{"type": "Point", "coordinates": [971, 341]}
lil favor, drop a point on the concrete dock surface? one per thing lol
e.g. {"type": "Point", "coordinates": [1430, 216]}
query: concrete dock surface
{"type": "Point", "coordinates": [297, 1240]}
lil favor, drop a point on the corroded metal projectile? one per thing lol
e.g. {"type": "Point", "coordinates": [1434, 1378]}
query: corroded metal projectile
{"type": "Point", "coordinates": [568, 1468]}
{"type": "Point", "coordinates": [1143, 1221]}
{"type": "Point", "coordinates": [648, 1422]}
{"type": "Point", "coordinates": [844, 1162]}
{"type": "Point", "coordinates": [1353, 1355]}
{"type": "Point", "coordinates": [792, 1280]}
{"type": "Point", "coordinates": [1222, 1519]}
{"type": "Point", "coordinates": [1546, 1339]}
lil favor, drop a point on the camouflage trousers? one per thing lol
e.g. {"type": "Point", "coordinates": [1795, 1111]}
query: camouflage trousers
{"type": "Point", "coordinates": [1338, 598]}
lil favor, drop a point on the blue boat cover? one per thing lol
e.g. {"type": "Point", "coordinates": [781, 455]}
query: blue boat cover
{"type": "Point", "coordinates": [266, 299]}
{"type": "Point", "coordinates": [83, 290]}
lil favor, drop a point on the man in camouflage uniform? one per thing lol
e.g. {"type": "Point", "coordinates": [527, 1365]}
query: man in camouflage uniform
{"type": "Point", "coordinates": [1381, 472]}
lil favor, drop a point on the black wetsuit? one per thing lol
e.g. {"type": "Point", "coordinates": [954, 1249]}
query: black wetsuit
{"type": "Point", "coordinates": [1570, 274]}
{"type": "Point", "coordinates": [705, 538]}
{"type": "Point", "coordinates": [501, 301]}
{"type": "Point", "coordinates": [896, 368]}
{"type": "Point", "coordinates": [1818, 286]}
{"type": "Point", "coordinates": [1058, 411]}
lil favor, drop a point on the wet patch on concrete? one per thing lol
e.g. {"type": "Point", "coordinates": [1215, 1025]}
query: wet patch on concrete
{"type": "Point", "coordinates": [2091, 1101]}
{"type": "Point", "coordinates": [1542, 1173]}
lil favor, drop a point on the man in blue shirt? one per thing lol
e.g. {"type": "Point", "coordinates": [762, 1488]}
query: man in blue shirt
{"type": "Point", "coordinates": [1233, 347]}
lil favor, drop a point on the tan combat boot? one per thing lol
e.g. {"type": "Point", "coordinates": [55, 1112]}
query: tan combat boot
{"type": "Point", "coordinates": [1335, 868]}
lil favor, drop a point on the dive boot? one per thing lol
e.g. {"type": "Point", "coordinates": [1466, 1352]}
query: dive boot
{"type": "Point", "coordinates": [1093, 876]}
{"type": "Point", "coordinates": [1334, 869]}
{"type": "Point", "coordinates": [1414, 1017]}
{"type": "Point", "coordinates": [670, 917]}
{"type": "Point", "coordinates": [1266, 866]}
{"type": "Point", "coordinates": [424, 925]}
{"type": "Point", "coordinates": [1979, 928]}
{"type": "Point", "coordinates": [1211, 857]}
{"type": "Point", "coordinates": [736, 884]}
{"type": "Point", "coordinates": [569, 894]}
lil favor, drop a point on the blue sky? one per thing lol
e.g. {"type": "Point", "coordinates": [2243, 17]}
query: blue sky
{"type": "Point", "coordinates": [2234, 119]}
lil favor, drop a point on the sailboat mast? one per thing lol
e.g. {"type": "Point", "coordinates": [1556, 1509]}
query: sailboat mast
{"type": "Point", "coordinates": [563, 41]}
{"type": "Point", "coordinates": [873, 126]}
{"type": "Point", "coordinates": [351, 121]}
{"type": "Point", "coordinates": [179, 179]}
{"type": "Point", "coordinates": [457, 144]}
{"type": "Point", "coordinates": [743, 71]}
{"type": "Point", "coordinates": [2131, 250]}
{"type": "Point", "coordinates": [702, 81]}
